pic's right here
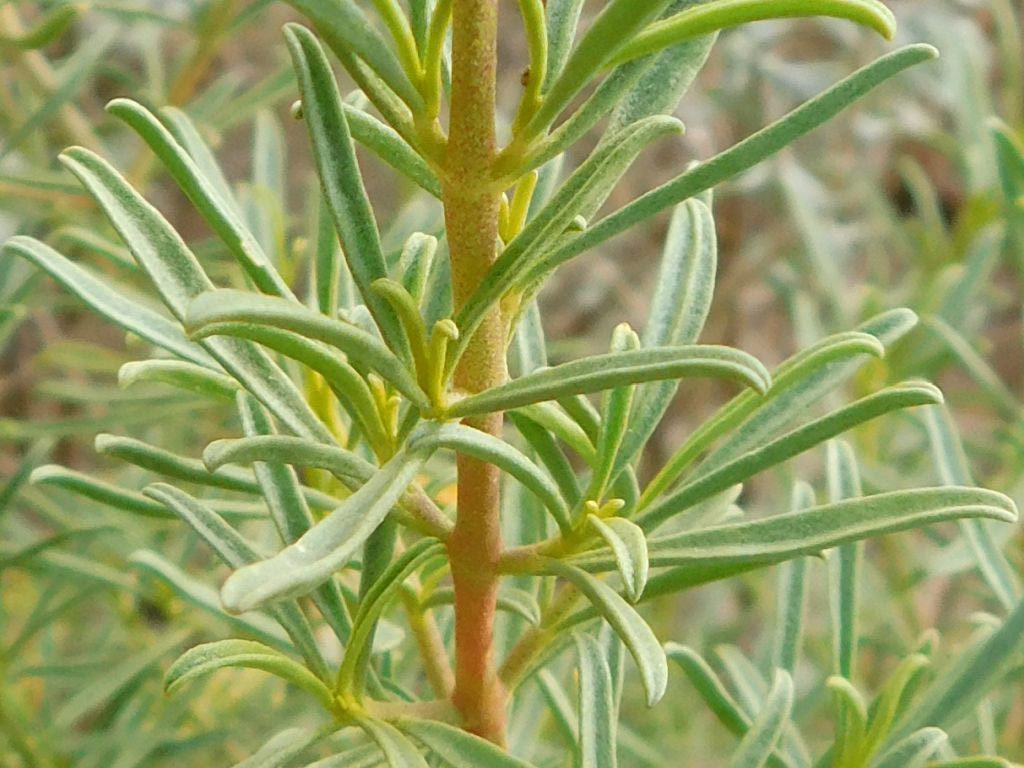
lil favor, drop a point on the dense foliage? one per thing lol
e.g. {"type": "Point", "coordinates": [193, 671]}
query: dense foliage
{"type": "Point", "coordinates": [350, 459]}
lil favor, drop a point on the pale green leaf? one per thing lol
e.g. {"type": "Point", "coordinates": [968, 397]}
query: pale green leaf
{"type": "Point", "coordinates": [616, 369]}
{"type": "Point", "coordinates": [209, 657]}
{"type": "Point", "coordinates": [204, 194]}
{"type": "Point", "coordinates": [458, 748]}
{"type": "Point", "coordinates": [109, 302]}
{"type": "Point", "coordinates": [339, 172]}
{"type": "Point", "coordinates": [229, 311]}
{"type": "Point", "coordinates": [623, 618]}
{"type": "Point", "coordinates": [398, 751]}
{"type": "Point", "coordinates": [326, 547]}
{"type": "Point", "coordinates": [480, 445]}
{"type": "Point", "coordinates": [629, 547]}
{"type": "Point", "coordinates": [179, 374]}
{"type": "Point", "coordinates": [767, 728]}
{"type": "Point", "coordinates": [597, 715]}
{"type": "Point", "coordinates": [906, 395]}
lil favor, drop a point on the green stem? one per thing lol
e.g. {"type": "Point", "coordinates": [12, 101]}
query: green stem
{"type": "Point", "coordinates": [471, 217]}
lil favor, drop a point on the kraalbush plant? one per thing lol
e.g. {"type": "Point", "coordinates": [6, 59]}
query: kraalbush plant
{"type": "Point", "coordinates": [356, 386]}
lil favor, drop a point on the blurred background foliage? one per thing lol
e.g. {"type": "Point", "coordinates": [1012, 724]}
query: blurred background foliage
{"type": "Point", "coordinates": [914, 198]}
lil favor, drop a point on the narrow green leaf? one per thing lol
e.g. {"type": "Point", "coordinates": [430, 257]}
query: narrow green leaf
{"type": "Point", "coordinates": [597, 715]}
{"type": "Point", "coordinates": [913, 751]}
{"type": "Point", "coordinates": [177, 276]}
{"type": "Point", "coordinates": [705, 19]}
{"type": "Point", "coordinates": [179, 374]}
{"type": "Point", "coordinates": [171, 465]}
{"type": "Point", "coordinates": [493, 450]}
{"type": "Point", "coordinates": [618, 21]}
{"type": "Point", "coordinates": [398, 751]}
{"type": "Point", "coordinates": [97, 490]}
{"type": "Point", "coordinates": [383, 590]}
{"type": "Point", "coordinates": [556, 421]}
{"type": "Point", "coordinates": [889, 703]}
{"type": "Point", "coordinates": [664, 81]}
{"type": "Point", "coordinates": [352, 470]}
{"type": "Point", "coordinates": [766, 730]}
{"type": "Point", "coordinates": [562, 17]}
{"type": "Point", "coordinates": [679, 309]}
{"type": "Point", "coordinates": [581, 195]}
{"type": "Point", "coordinates": [326, 547]}
{"type": "Point", "coordinates": [955, 693]}
{"type": "Point", "coordinates": [851, 721]}
{"type": "Point", "coordinates": [629, 546]}
{"type": "Point", "coordinates": [205, 196]}
{"type": "Point", "coordinates": [780, 537]}
{"type": "Point", "coordinates": [742, 156]}
{"type": "Point", "coordinates": [209, 657]}
{"type": "Point", "coordinates": [813, 374]}
{"type": "Point", "coordinates": [615, 420]}
{"type": "Point", "coordinates": [953, 470]}
{"type": "Point", "coordinates": [616, 369]}
{"type": "Point", "coordinates": [792, 595]}
{"type": "Point", "coordinates": [339, 171]}
{"type": "Point", "coordinates": [906, 395]}
{"type": "Point", "coordinates": [109, 302]}
{"type": "Point", "coordinates": [623, 618]}
{"type": "Point", "coordinates": [228, 311]}
{"type": "Point", "coordinates": [281, 748]}
{"type": "Point", "coordinates": [288, 509]}
{"type": "Point", "coordinates": [710, 687]}
{"type": "Point", "coordinates": [458, 748]}
{"type": "Point", "coordinates": [415, 263]}
{"type": "Point", "coordinates": [389, 146]}
{"type": "Point", "coordinates": [347, 384]}
{"type": "Point", "coordinates": [550, 455]}
{"type": "Point", "coordinates": [844, 563]}
{"type": "Point", "coordinates": [349, 32]}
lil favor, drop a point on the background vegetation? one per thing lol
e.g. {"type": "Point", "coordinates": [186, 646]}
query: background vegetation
{"type": "Point", "coordinates": [912, 199]}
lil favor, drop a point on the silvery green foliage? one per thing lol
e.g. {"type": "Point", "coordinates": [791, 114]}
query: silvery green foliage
{"type": "Point", "coordinates": [338, 368]}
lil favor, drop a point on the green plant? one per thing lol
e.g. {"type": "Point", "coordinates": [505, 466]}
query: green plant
{"type": "Point", "coordinates": [400, 362]}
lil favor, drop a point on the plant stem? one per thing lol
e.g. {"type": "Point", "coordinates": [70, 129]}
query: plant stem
{"type": "Point", "coordinates": [471, 216]}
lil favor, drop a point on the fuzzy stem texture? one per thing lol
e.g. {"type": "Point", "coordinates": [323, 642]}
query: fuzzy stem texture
{"type": "Point", "coordinates": [471, 216]}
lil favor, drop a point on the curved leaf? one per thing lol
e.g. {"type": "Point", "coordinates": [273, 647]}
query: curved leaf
{"type": "Point", "coordinates": [493, 450]}
{"type": "Point", "coordinates": [215, 312]}
{"type": "Point", "coordinates": [177, 276]}
{"type": "Point", "coordinates": [623, 618]}
{"type": "Point", "coordinates": [302, 566]}
{"type": "Point", "coordinates": [628, 545]}
{"type": "Point", "coordinates": [339, 172]}
{"type": "Point", "coordinates": [598, 718]}
{"type": "Point", "coordinates": [178, 374]}
{"type": "Point", "coordinates": [458, 748]}
{"type": "Point", "coordinates": [705, 19]}
{"type": "Point", "coordinates": [616, 369]}
{"type": "Point", "coordinates": [203, 193]}
{"type": "Point", "coordinates": [767, 728]}
{"type": "Point", "coordinates": [209, 657]}
{"type": "Point", "coordinates": [742, 156]}
{"type": "Point", "coordinates": [108, 302]}
{"type": "Point", "coordinates": [349, 468]}
{"type": "Point", "coordinates": [398, 751]}
{"type": "Point", "coordinates": [906, 395]}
